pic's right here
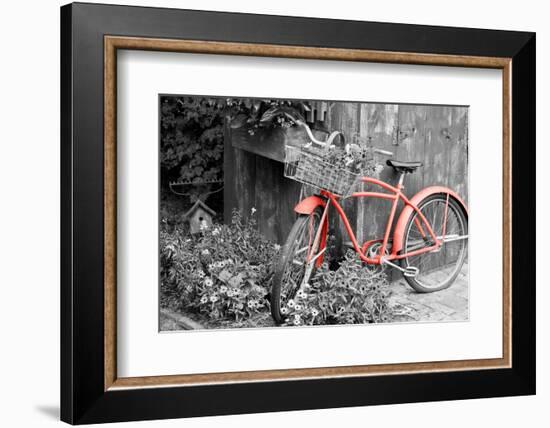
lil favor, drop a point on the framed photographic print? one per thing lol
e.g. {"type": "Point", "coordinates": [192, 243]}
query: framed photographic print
{"type": "Point", "coordinates": [265, 213]}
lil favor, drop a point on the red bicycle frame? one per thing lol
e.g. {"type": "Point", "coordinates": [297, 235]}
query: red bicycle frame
{"type": "Point", "coordinates": [395, 194]}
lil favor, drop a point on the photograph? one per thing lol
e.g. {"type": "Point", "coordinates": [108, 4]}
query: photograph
{"type": "Point", "coordinates": [297, 213]}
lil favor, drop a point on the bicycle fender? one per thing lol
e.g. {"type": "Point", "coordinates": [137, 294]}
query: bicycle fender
{"type": "Point", "coordinates": [408, 211]}
{"type": "Point", "coordinates": [308, 205]}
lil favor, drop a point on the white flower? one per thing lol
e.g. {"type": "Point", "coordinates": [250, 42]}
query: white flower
{"type": "Point", "coordinates": [216, 231]}
{"type": "Point", "coordinates": [284, 311]}
{"type": "Point", "coordinates": [208, 282]}
{"type": "Point", "coordinates": [301, 294]}
{"type": "Point", "coordinates": [253, 210]}
{"type": "Point", "coordinates": [277, 247]}
{"type": "Point", "coordinates": [223, 289]}
{"type": "Point", "coordinates": [298, 307]}
{"type": "Point", "coordinates": [314, 312]}
{"type": "Point", "coordinates": [204, 299]}
{"type": "Point", "coordinates": [290, 303]}
{"type": "Point", "coordinates": [214, 298]}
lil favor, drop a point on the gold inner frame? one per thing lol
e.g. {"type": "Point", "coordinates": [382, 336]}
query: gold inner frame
{"type": "Point", "coordinates": [113, 43]}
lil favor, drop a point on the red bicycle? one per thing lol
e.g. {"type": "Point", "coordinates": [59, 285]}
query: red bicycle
{"type": "Point", "coordinates": [429, 240]}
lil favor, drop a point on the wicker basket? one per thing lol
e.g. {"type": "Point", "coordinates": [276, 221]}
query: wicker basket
{"type": "Point", "coordinates": [310, 168]}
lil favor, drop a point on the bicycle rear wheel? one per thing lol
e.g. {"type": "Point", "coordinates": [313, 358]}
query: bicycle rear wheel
{"type": "Point", "coordinates": [291, 267]}
{"type": "Point", "coordinates": [438, 269]}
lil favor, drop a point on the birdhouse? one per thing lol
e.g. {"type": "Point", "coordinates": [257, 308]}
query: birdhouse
{"type": "Point", "coordinates": [199, 217]}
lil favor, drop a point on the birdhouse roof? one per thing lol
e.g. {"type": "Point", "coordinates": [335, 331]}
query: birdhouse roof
{"type": "Point", "coordinates": [196, 206]}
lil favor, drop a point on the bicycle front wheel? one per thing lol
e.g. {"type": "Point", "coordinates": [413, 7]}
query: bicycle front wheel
{"type": "Point", "coordinates": [291, 266]}
{"type": "Point", "coordinates": [437, 269]}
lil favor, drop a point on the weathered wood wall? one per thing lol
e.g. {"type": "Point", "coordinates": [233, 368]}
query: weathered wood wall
{"type": "Point", "coordinates": [435, 135]}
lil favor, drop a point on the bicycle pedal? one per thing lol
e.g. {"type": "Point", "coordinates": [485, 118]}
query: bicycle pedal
{"type": "Point", "coordinates": [410, 271]}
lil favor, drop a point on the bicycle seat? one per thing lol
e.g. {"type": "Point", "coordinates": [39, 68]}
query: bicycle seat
{"type": "Point", "coordinates": [402, 166]}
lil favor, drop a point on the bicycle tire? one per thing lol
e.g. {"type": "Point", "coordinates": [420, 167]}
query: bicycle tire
{"type": "Point", "coordinates": [286, 256]}
{"type": "Point", "coordinates": [456, 208]}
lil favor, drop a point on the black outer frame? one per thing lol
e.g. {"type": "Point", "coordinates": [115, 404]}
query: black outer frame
{"type": "Point", "coordinates": [83, 399]}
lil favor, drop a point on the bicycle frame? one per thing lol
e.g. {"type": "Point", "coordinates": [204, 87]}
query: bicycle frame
{"type": "Point", "coordinates": [395, 195]}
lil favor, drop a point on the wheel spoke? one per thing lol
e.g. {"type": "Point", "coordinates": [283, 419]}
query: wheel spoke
{"type": "Point", "coordinates": [438, 266]}
{"type": "Point", "coordinates": [295, 266]}
{"type": "Point", "coordinates": [300, 251]}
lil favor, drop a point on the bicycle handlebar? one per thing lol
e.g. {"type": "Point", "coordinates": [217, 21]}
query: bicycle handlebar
{"type": "Point", "coordinates": [331, 137]}
{"type": "Point", "coordinates": [383, 152]}
{"type": "Point", "coordinates": [314, 140]}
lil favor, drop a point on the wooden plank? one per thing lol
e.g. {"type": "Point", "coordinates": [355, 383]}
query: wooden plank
{"type": "Point", "coordinates": [438, 127]}
{"type": "Point", "coordinates": [411, 141]}
{"type": "Point", "coordinates": [268, 142]}
{"type": "Point", "coordinates": [267, 194]}
{"type": "Point", "coordinates": [457, 179]}
{"type": "Point", "coordinates": [229, 196]}
{"type": "Point", "coordinates": [440, 139]}
{"type": "Point", "coordinates": [377, 124]}
{"type": "Point", "coordinates": [244, 178]}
